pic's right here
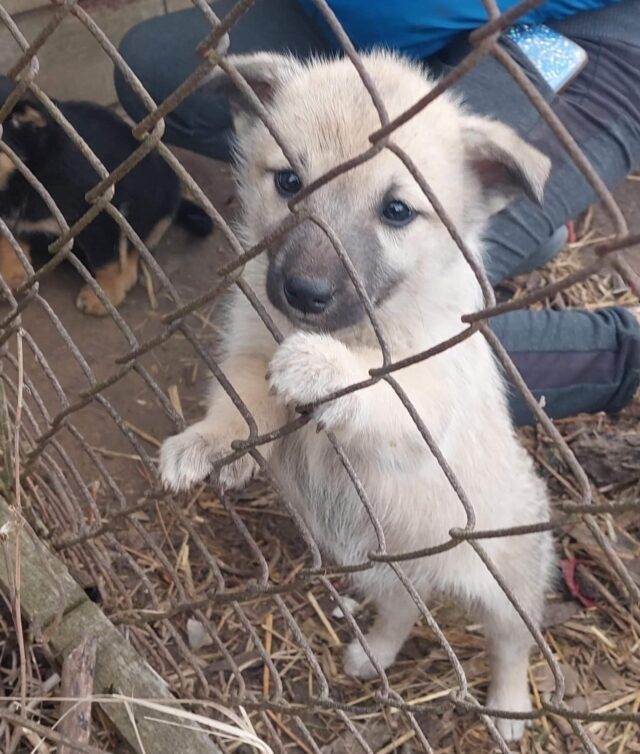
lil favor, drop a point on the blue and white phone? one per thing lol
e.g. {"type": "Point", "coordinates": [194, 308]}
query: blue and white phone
{"type": "Point", "coordinates": [557, 58]}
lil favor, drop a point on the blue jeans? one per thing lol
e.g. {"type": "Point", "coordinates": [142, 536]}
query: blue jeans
{"type": "Point", "coordinates": [579, 361]}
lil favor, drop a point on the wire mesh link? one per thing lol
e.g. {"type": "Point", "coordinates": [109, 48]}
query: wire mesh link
{"type": "Point", "coordinates": [146, 586]}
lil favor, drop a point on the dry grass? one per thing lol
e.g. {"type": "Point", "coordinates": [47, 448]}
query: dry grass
{"type": "Point", "coordinates": [604, 289]}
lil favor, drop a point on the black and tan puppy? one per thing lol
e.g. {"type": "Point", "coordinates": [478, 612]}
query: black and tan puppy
{"type": "Point", "coordinates": [149, 196]}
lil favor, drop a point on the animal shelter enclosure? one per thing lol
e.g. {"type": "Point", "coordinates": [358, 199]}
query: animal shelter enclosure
{"type": "Point", "coordinates": [138, 620]}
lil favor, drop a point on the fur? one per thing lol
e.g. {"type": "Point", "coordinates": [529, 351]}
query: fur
{"type": "Point", "coordinates": [420, 286]}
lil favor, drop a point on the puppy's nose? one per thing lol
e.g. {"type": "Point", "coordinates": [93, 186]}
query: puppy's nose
{"type": "Point", "coordinates": [308, 295]}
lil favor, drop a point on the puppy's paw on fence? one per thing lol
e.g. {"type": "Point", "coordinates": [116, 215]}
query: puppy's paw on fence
{"type": "Point", "coordinates": [307, 368]}
{"type": "Point", "coordinates": [237, 474]}
{"type": "Point", "coordinates": [189, 458]}
{"type": "Point", "coordinates": [185, 459]}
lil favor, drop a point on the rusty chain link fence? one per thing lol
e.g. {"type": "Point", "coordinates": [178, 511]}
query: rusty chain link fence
{"type": "Point", "coordinates": [229, 599]}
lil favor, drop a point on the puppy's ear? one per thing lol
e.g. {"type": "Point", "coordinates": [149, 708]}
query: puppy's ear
{"type": "Point", "coordinates": [265, 72]}
{"type": "Point", "coordinates": [504, 164]}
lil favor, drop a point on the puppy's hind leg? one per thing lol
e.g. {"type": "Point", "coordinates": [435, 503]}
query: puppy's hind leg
{"type": "Point", "coordinates": [526, 572]}
{"type": "Point", "coordinates": [509, 644]}
{"type": "Point", "coordinates": [396, 616]}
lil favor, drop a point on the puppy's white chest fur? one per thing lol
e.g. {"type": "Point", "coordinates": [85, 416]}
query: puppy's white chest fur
{"type": "Point", "coordinates": [380, 466]}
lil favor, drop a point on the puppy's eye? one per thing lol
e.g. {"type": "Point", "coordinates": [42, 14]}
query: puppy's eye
{"type": "Point", "coordinates": [397, 213]}
{"type": "Point", "coordinates": [287, 182]}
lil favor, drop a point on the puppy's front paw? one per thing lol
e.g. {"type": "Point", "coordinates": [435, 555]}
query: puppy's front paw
{"type": "Point", "coordinates": [308, 367]}
{"type": "Point", "coordinates": [233, 476]}
{"type": "Point", "coordinates": [89, 303]}
{"type": "Point", "coordinates": [189, 457]}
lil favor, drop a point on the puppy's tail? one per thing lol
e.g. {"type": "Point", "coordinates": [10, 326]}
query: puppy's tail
{"type": "Point", "coordinates": [192, 217]}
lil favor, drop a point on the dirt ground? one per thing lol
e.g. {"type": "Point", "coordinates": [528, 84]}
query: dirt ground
{"type": "Point", "coordinates": [191, 264]}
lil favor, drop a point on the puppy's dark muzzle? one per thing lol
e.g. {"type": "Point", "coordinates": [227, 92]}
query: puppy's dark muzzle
{"type": "Point", "coordinates": [308, 295]}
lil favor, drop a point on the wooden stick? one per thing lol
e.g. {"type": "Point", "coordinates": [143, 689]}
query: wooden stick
{"type": "Point", "coordinates": [77, 683]}
{"type": "Point", "coordinates": [119, 668]}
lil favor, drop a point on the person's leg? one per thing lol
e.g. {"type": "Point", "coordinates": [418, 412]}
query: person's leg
{"type": "Point", "coordinates": [578, 361]}
{"type": "Point", "coordinates": [162, 53]}
{"type": "Point", "coordinates": [600, 108]}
